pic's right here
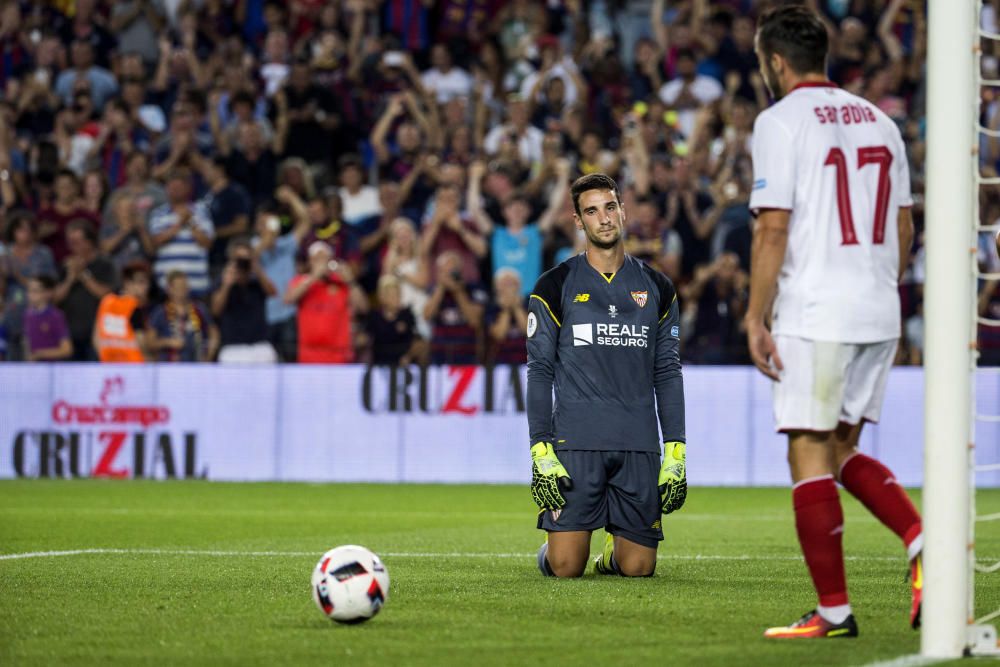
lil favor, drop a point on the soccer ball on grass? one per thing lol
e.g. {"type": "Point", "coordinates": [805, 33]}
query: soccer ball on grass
{"type": "Point", "coordinates": [350, 584]}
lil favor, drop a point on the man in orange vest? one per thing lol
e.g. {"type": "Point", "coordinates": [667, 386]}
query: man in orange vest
{"type": "Point", "coordinates": [119, 330]}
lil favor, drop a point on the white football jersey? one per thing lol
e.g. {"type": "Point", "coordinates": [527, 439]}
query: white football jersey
{"type": "Point", "coordinates": [839, 165]}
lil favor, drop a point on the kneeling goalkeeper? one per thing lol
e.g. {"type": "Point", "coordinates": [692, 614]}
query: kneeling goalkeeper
{"type": "Point", "coordinates": [603, 334]}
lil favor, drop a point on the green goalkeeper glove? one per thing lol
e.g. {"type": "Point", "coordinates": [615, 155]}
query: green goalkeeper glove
{"type": "Point", "coordinates": [673, 477]}
{"type": "Point", "coordinates": [548, 476]}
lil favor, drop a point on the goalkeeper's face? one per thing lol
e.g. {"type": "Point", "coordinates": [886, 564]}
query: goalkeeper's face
{"type": "Point", "coordinates": [601, 217]}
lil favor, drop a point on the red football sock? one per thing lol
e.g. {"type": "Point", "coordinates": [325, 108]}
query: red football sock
{"type": "Point", "coordinates": [874, 485]}
{"type": "Point", "coordinates": [819, 521]}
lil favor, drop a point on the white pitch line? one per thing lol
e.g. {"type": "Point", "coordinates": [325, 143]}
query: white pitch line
{"type": "Point", "coordinates": [914, 660]}
{"type": "Point", "coordinates": [391, 554]}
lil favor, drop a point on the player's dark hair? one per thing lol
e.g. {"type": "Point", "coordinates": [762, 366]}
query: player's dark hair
{"type": "Point", "coordinates": [592, 182]}
{"type": "Point", "coordinates": [796, 34]}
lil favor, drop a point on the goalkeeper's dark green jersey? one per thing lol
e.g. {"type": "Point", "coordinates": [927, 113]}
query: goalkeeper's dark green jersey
{"type": "Point", "coordinates": [608, 347]}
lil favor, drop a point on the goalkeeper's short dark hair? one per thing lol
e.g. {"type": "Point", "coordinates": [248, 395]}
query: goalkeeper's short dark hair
{"type": "Point", "coordinates": [798, 35]}
{"type": "Point", "coordinates": [592, 182]}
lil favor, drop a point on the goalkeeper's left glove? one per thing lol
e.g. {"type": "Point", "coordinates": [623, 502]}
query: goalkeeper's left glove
{"type": "Point", "coordinates": [673, 477]}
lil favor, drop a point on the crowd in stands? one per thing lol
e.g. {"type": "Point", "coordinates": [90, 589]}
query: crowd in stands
{"type": "Point", "coordinates": [384, 180]}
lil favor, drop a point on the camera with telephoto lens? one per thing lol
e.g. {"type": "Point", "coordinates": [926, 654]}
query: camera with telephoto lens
{"type": "Point", "coordinates": [243, 264]}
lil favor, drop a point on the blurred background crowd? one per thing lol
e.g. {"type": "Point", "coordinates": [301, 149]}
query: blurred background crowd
{"type": "Point", "coordinates": [384, 180]}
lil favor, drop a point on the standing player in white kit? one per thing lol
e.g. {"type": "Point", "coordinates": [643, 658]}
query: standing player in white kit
{"type": "Point", "coordinates": [833, 232]}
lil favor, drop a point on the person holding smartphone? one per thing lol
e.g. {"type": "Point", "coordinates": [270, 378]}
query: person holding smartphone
{"type": "Point", "coordinates": [327, 298]}
{"type": "Point", "coordinates": [239, 307]}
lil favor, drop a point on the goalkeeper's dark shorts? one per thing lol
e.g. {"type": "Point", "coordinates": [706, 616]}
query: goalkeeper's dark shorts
{"type": "Point", "coordinates": [613, 490]}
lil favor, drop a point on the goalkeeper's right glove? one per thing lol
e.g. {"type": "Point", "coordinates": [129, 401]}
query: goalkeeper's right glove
{"type": "Point", "coordinates": [548, 476]}
{"type": "Point", "coordinates": [673, 477]}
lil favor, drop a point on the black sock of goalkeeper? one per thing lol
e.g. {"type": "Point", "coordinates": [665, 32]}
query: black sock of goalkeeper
{"type": "Point", "coordinates": [614, 565]}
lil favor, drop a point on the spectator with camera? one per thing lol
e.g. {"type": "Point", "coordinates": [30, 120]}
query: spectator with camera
{"type": "Point", "coordinates": [276, 253]}
{"type": "Point", "coordinates": [517, 133]}
{"type": "Point", "coordinates": [239, 305]}
{"type": "Point", "coordinates": [327, 298]}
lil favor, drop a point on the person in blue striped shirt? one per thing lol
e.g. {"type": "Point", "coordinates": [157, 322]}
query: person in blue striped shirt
{"type": "Point", "coordinates": [182, 234]}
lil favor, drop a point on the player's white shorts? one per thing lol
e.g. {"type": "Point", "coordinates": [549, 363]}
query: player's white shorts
{"type": "Point", "coordinates": [824, 383]}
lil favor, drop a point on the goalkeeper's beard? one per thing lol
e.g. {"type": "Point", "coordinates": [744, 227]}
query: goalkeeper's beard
{"type": "Point", "coordinates": [597, 242]}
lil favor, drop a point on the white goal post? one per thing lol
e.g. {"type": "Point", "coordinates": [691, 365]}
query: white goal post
{"type": "Point", "coordinates": [952, 224]}
{"type": "Point", "coordinates": [948, 290]}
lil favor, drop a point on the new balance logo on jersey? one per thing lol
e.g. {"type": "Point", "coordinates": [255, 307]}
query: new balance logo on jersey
{"type": "Point", "coordinates": [612, 335]}
{"type": "Point", "coordinates": [583, 297]}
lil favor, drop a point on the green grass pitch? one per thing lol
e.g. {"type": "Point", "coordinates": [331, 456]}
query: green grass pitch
{"type": "Point", "coordinates": [729, 567]}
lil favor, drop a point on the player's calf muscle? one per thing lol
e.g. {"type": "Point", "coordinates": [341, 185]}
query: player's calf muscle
{"type": "Point", "coordinates": [810, 455]}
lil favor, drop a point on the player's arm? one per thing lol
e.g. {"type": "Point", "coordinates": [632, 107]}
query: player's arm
{"type": "Point", "coordinates": [904, 222]}
{"type": "Point", "coordinates": [548, 476]}
{"type": "Point", "coordinates": [544, 323]}
{"type": "Point", "coordinates": [668, 384]}
{"type": "Point", "coordinates": [775, 171]}
{"type": "Point", "coordinates": [767, 254]}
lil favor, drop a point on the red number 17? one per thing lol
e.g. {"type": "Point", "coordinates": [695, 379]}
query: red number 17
{"type": "Point", "coordinates": [879, 155]}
